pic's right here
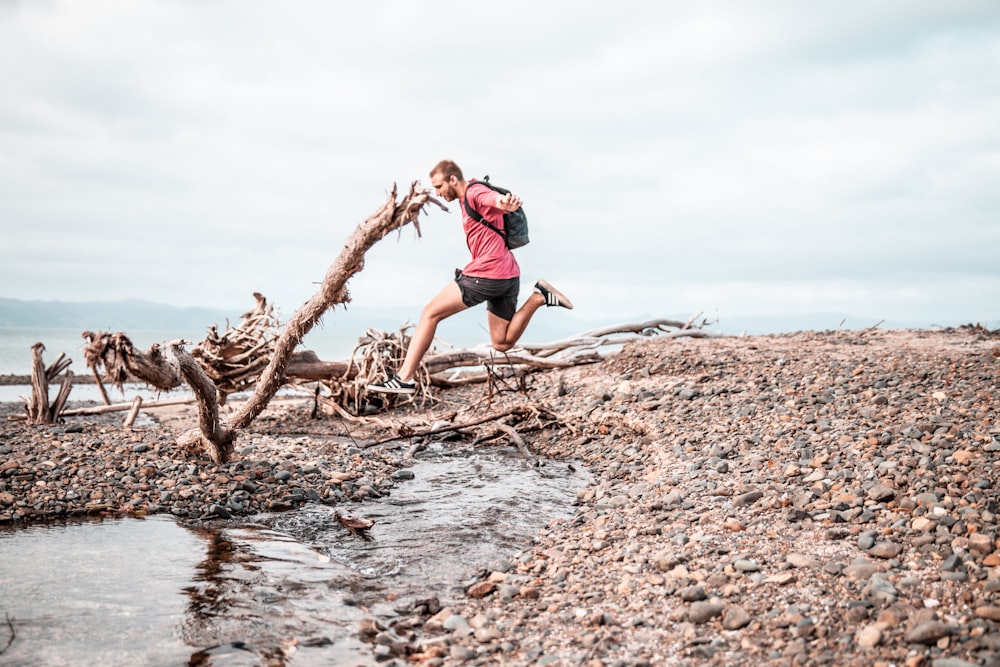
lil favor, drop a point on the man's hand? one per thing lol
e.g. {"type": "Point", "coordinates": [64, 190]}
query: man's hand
{"type": "Point", "coordinates": [509, 202]}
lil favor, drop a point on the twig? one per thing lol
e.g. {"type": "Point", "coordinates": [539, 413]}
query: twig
{"type": "Point", "coordinates": [519, 441]}
{"type": "Point", "coordinates": [10, 640]}
{"type": "Point", "coordinates": [348, 417]}
{"type": "Point", "coordinates": [100, 385]}
{"type": "Point", "coordinates": [875, 326]}
{"type": "Point", "coordinates": [449, 427]}
{"type": "Point", "coordinates": [492, 435]}
{"type": "Point", "coordinates": [133, 413]}
{"type": "Point", "coordinates": [414, 448]}
{"type": "Point", "coordinates": [690, 322]}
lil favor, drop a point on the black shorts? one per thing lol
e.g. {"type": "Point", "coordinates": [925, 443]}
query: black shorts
{"type": "Point", "coordinates": [500, 295]}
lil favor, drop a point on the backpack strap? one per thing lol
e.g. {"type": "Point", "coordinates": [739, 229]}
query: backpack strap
{"type": "Point", "coordinates": [474, 214]}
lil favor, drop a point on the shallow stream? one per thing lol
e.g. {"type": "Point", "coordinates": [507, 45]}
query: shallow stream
{"type": "Point", "coordinates": [278, 589]}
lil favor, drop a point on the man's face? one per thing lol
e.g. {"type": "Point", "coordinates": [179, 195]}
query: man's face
{"type": "Point", "coordinates": [444, 187]}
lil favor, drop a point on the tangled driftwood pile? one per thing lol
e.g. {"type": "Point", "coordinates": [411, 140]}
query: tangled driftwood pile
{"type": "Point", "coordinates": [235, 358]}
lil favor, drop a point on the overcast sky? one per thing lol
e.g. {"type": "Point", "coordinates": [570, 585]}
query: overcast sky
{"type": "Point", "coordinates": [730, 158]}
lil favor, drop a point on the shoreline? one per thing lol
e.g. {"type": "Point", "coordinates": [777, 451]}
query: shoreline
{"type": "Point", "coordinates": [808, 498]}
{"type": "Point", "coordinates": [15, 379]}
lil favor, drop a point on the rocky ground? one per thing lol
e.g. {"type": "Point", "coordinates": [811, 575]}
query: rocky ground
{"type": "Point", "coordinates": [805, 499]}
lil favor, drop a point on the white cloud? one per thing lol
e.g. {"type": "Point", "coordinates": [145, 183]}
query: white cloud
{"type": "Point", "coordinates": [841, 157]}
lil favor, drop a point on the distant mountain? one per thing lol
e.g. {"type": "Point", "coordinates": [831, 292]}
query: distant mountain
{"type": "Point", "coordinates": [106, 315]}
{"type": "Point", "coordinates": [138, 315]}
{"type": "Point", "coordinates": [464, 329]}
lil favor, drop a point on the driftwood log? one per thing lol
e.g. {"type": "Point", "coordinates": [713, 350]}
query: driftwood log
{"type": "Point", "coordinates": [38, 408]}
{"type": "Point", "coordinates": [441, 366]}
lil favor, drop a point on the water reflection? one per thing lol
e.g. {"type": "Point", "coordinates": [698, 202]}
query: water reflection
{"type": "Point", "coordinates": [152, 592]}
{"type": "Point", "coordinates": [260, 595]}
{"type": "Point", "coordinates": [96, 592]}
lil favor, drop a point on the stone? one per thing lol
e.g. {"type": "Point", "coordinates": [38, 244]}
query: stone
{"type": "Point", "coordinates": [735, 617]}
{"type": "Point", "coordinates": [980, 543]}
{"type": "Point", "coordinates": [886, 550]}
{"type": "Point", "coordinates": [929, 632]}
{"type": "Point", "coordinates": [880, 493]}
{"type": "Point", "coordinates": [801, 561]}
{"type": "Point", "coordinates": [704, 611]}
{"type": "Point", "coordinates": [481, 589]}
{"type": "Point", "coordinates": [990, 612]}
{"type": "Point", "coordinates": [692, 593]}
{"type": "Point", "coordinates": [869, 636]}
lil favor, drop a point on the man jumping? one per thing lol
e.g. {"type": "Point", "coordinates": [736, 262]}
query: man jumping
{"type": "Point", "coordinates": [492, 276]}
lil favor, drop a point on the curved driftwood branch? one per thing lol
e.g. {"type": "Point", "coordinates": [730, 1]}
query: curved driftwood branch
{"type": "Point", "coordinates": [213, 436]}
{"type": "Point", "coordinates": [165, 369]}
{"type": "Point", "coordinates": [122, 361]}
{"type": "Point", "coordinates": [391, 216]}
{"type": "Point", "coordinates": [408, 432]}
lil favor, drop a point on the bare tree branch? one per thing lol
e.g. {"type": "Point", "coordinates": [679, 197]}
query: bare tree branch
{"type": "Point", "coordinates": [391, 216]}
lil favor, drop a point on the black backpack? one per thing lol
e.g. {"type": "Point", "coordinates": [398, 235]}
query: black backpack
{"type": "Point", "coordinates": [515, 223]}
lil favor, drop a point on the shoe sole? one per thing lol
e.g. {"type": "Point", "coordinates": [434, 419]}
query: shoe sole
{"type": "Point", "coordinates": [386, 390]}
{"type": "Point", "coordinates": [563, 301]}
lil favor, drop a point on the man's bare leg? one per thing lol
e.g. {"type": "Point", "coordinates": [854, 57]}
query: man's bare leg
{"type": "Point", "coordinates": [505, 334]}
{"type": "Point", "coordinates": [447, 303]}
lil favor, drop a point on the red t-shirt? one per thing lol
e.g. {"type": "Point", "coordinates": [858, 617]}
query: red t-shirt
{"type": "Point", "coordinates": [491, 258]}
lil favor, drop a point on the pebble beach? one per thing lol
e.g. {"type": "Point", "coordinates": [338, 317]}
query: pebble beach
{"type": "Point", "coordinates": [817, 498]}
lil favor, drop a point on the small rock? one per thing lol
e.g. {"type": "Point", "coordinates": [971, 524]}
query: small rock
{"type": "Point", "coordinates": [886, 550]}
{"type": "Point", "coordinates": [692, 593]}
{"type": "Point", "coordinates": [461, 653]}
{"type": "Point", "coordinates": [744, 565]}
{"type": "Point", "coordinates": [704, 611]}
{"type": "Point", "coordinates": [928, 632]}
{"type": "Point", "coordinates": [870, 636]}
{"type": "Point", "coordinates": [456, 623]}
{"type": "Point", "coordinates": [981, 544]}
{"type": "Point", "coordinates": [481, 589]}
{"type": "Point", "coordinates": [990, 612]}
{"type": "Point", "coordinates": [801, 560]}
{"type": "Point", "coordinates": [952, 662]}
{"type": "Point", "coordinates": [735, 617]}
